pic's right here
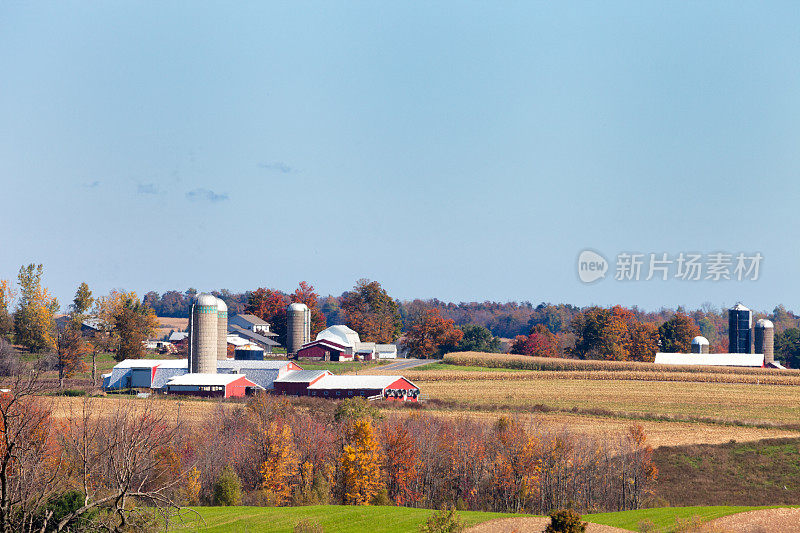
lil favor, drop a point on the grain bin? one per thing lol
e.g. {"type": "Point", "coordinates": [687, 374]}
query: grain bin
{"type": "Point", "coordinates": [765, 340]}
{"type": "Point", "coordinates": [222, 330]}
{"type": "Point", "coordinates": [699, 344]}
{"type": "Point", "coordinates": [298, 327]}
{"type": "Point", "coordinates": [740, 323]}
{"type": "Point", "coordinates": [204, 335]}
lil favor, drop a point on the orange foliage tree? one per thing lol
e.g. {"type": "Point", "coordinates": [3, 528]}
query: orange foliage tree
{"type": "Point", "coordinates": [370, 311]}
{"type": "Point", "coordinates": [431, 334]}
{"type": "Point", "coordinates": [71, 350]}
{"type": "Point", "coordinates": [280, 462]}
{"type": "Point", "coordinates": [402, 465]}
{"type": "Point", "coordinates": [269, 305]}
{"type": "Point", "coordinates": [305, 294]}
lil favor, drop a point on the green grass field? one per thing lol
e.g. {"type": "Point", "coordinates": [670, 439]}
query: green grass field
{"type": "Point", "coordinates": [340, 368]}
{"type": "Point", "coordinates": [356, 519]}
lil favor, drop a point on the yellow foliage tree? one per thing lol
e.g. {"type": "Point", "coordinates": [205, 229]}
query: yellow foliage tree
{"type": "Point", "coordinates": [280, 462]}
{"type": "Point", "coordinates": [360, 464]}
{"type": "Point", "coordinates": [34, 323]}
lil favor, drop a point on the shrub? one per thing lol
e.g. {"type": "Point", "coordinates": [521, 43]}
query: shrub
{"type": "Point", "coordinates": [565, 521]}
{"type": "Point", "coordinates": [228, 488]}
{"type": "Point", "coordinates": [355, 409]}
{"type": "Point", "coordinates": [74, 392]}
{"type": "Point", "coordinates": [308, 525]}
{"type": "Point", "coordinates": [444, 521]}
{"type": "Point", "coordinates": [645, 526]}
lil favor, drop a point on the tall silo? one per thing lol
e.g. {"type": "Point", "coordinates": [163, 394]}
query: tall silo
{"type": "Point", "coordinates": [699, 344]}
{"type": "Point", "coordinates": [222, 330]}
{"type": "Point", "coordinates": [740, 324]}
{"type": "Point", "coordinates": [204, 335]}
{"type": "Point", "coordinates": [298, 327]}
{"type": "Point", "coordinates": [765, 340]}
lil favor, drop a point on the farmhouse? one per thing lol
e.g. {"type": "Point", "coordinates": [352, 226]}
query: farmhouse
{"type": "Point", "coordinates": [211, 385]}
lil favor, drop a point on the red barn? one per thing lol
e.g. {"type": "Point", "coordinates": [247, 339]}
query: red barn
{"type": "Point", "coordinates": [324, 350]}
{"type": "Point", "coordinates": [212, 385]}
{"type": "Point", "coordinates": [373, 387]}
{"type": "Point", "coordinates": [297, 383]}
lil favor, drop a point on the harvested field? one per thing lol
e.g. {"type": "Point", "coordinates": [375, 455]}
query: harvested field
{"type": "Point", "coordinates": [761, 521]}
{"type": "Point", "coordinates": [708, 402]}
{"type": "Point", "coordinates": [658, 433]}
{"type": "Point", "coordinates": [167, 324]}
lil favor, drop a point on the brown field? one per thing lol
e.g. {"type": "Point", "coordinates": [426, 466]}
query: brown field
{"type": "Point", "coordinates": [725, 402]}
{"type": "Point", "coordinates": [167, 324]}
{"type": "Point", "coordinates": [660, 433]}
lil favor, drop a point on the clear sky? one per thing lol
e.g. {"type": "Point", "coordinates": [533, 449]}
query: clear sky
{"type": "Point", "coordinates": [458, 150]}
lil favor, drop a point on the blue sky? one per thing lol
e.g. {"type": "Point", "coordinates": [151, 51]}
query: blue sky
{"type": "Point", "coordinates": [459, 150]}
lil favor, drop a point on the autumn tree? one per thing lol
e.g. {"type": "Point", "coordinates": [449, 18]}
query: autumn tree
{"type": "Point", "coordinates": [71, 349]}
{"type": "Point", "coordinates": [129, 323]}
{"type": "Point", "coordinates": [639, 472]}
{"type": "Point", "coordinates": [540, 342]}
{"type": "Point", "coordinates": [431, 335]}
{"type": "Point", "coordinates": [613, 334]}
{"type": "Point", "coordinates": [516, 467]}
{"type": "Point", "coordinates": [6, 320]}
{"type": "Point", "coordinates": [34, 325]}
{"type": "Point", "coordinates": [305, 294]}
{"type": "Point", "coordinates": [280, 463]}
{"type": "Point", "coordinates": [676, 334]}
{"type": "Point", "coordinates": [360, 464]}
{"type": "Point", "coordinates": [370, 311]}
{"type": "Point", "coordinates": [82, 302]}
{"type": "Point", "coordinates": [403, 468]}
{"type": "Point", "coordinates": [270, 305]}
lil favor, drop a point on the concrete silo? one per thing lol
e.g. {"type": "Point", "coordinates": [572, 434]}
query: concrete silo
{"type": "Point", "coordinates": [699, 344]}
{"type": "Point", "coordinates": [765, 340]}
{"type": "Point", "coordinates": [298, 327]}
{"type": "Point", "coordinates": [203, 356]}
{"type": "Point", "coordinates": [740, 324]}
{"type": "Point", "coordinates": [222, 330]}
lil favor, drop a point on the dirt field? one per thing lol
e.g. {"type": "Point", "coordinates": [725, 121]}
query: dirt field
{"type": "Point", "coordinates": [762, 521]}
{"type": "Point", "coordinates": [520, 525]}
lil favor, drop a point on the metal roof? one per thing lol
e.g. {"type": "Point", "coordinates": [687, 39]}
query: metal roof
{"type": "Point", "coordinates": [298, 306]}
{"type": "Point", "coordinates": [356, 382]}
{"type": "Point", "coordinates": [205, 379]}
{"type": "Point", "coordinates": [253, 319]}
{"type": "Point", "coordinates": [176, 336]}
{"type": "Point", "coordinates": [710, 359]}
{"type": "Point", "coordinates": [302, 376]}
{"type": "Point", "coordinates": [699, 340]}
{"type": "Point", "coordinates": [238, 364]}
{"type": "Point", "coordinates": [206, 299]}
{"type": "Point", "coordinates": [739, 307]}
{"type": "Point", "coordinates": [764, 323]}
{"type": "Point", "coordinates": [252, 335]}
{"type": "Point", "coordinates": [340, 334]}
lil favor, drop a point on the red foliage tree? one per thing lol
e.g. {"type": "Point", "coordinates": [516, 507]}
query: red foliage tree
{"type": "Point", "coordinates": [431, 334]}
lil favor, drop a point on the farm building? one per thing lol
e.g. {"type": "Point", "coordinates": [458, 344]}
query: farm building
{"type": "Point", "coordinates": [154, 373]}
{"type": "Point", "coordinates": [340, 343]}
{"type": "Point", "coordinates": [211, 385]}
{"type": "Point", "coordinates": [296, 383]}
{"type": "Point", "coordinates": [251, 323]}
{"type": "Point", "coordinates": [371, 387]}
{"type": "Point", "coordinates": [325, 350]}
{"type": "Point", "coordinates": [263, 341]}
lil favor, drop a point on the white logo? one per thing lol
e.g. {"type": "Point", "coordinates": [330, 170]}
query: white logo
{"type": "Point", "coordinates": [591, 266]}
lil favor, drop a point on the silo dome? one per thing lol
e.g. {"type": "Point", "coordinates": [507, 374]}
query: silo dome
{"type": "Point", "coordinates": [221, 306]}
{"type": "Point", "coordinates": [764, 323]}
{"type": "Point", "coordinates": [700, 340]}
{"type": "Point", "coordinates": [205, 299]}
{"type": "Point", "coordinates": [298, 307]}
{"type": "Point", "coordinates": [739, 307]}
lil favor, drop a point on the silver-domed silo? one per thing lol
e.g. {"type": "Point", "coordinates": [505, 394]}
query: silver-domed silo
{"type": "Point", "coordinates": [298, 327]}
{"type": "Point", "coordinates": [740, 324]}
{"type": "Point", "coordinates": [699, 344]}
{"type": "Point", "coordinates": [222, 330]}
{"type": "Point", "coordinates": [204, 335]}
{"type": "Point", "coordinates": [765, 340]}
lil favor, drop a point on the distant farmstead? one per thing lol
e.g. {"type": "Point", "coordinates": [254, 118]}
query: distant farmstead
{"type": "Point", "coordinates": [340, 343]}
